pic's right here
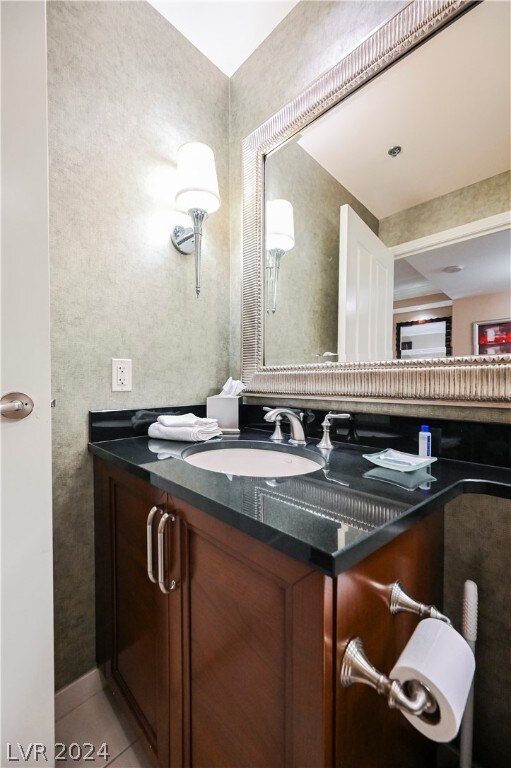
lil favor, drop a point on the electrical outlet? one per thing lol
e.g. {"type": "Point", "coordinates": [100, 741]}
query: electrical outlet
{"type": "Point", "coordinates": [121, 375]}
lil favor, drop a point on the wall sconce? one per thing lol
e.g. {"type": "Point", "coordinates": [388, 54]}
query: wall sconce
{"type": "Point", "coordinates": [280, 237]}
{"type": "Point", "coordinates": [197, 193]}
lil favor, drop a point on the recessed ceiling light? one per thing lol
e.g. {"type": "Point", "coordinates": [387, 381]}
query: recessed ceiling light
{"type": "Point", "coordinates": [394, 151]}
{"type": "Point", "coordinates": [453, 268]}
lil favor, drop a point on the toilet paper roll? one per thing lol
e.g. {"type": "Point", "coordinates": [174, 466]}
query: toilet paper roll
{"type": "Point", "coordinates": [439, 657]}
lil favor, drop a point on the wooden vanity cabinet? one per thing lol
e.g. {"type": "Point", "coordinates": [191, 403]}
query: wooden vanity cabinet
{"type": "Point", "coordinates": [238, 666]}
{"type": "Point", "coordinates": [230, 668]}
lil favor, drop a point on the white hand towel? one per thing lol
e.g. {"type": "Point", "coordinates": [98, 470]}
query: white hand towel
{"type": "Point", "coordinates": [185, 434]}
{"type": "Point", "coordinates": [186, 420]}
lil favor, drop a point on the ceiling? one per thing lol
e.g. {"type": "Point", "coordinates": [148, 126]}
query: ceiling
{"type": "Point", "coordinates": [226, 32]}
{"type": "Point", "coordinates": [409, 283]}
{"type": "Point", "coordinates": [486, 262]}
{"type": "Point", "coordinates": [447, 105]}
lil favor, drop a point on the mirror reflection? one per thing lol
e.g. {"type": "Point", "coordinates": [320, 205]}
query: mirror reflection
{"type": "Point", "coordinates": [397, 200]}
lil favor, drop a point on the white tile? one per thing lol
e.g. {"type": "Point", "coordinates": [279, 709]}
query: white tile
{"type": "Point", "coordinates": [76, 693]}
{"type": "Point", "coordinates": [99, 719]}
{"type": "Point", "coordinates": [134, 757]}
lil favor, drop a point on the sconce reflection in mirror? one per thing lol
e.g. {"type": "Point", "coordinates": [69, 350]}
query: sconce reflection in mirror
{"type": "Point", "coordinates": [280, 237]}
{"type": "Point", "coordinates": [197, 194]}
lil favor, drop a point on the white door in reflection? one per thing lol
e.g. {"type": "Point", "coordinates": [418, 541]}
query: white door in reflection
{"type": "Point", "coordinates": [366, 286]}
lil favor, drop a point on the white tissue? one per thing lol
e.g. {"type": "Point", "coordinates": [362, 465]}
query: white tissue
{"type": "Point", "coordinates": [232, 388]}
{"type": "Point", "coordinates": [438, 656]}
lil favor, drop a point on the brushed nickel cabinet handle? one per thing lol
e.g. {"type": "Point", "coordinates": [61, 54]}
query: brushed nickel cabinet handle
{"type": "Point", "coordinates": [161, 555]}
{"type": "Point", "coordinates": [150, 519]}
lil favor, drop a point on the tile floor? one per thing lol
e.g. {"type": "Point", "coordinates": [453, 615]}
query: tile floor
{"type": "Point", "coordinates": [101, 718]}
{"type": "Point", "coordinates": [97, 715]}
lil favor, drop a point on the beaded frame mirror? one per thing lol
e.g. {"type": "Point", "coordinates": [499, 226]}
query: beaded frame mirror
{"type": "Point", "coordinates": [478, 379]}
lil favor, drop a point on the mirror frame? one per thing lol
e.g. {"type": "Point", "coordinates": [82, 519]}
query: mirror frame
{"type": "Point", "coordinates": [485, 380]}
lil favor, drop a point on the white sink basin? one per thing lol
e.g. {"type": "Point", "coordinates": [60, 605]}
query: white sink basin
{"type": "Point", "coordinates": [252, 459]}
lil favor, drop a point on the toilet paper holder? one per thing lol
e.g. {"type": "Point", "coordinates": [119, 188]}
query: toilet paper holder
{"type": "Point", "coordinates": [356, 667]}
{"type": "Point", "coordinates": [401, 601]}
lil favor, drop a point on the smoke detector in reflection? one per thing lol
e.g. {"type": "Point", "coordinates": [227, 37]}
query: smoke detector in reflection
{"type": "Point", "coordinates": [395, 151]}
{"type": "Point", "coordinates": [453, 268]}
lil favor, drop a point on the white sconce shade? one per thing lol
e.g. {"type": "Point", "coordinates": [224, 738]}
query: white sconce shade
{"type": "Point", "coordinates": [280, 237]}
{"type": "Point", "coordinates": [280, 231]}
{"type": "Point", "coordinates": [197, 184]}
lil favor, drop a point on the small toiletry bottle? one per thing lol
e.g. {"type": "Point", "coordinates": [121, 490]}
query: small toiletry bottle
{"type": "Point", "coordinates": [424, 441]}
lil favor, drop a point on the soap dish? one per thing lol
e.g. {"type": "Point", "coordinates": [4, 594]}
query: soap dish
{"type": "Point", "coordinates": [398, 461]}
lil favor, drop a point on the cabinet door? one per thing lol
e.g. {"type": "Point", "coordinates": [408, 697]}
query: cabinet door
{"type": "Point", "coordinates": [370, 734]}
{"type": "Point", "coordinates": [134, 614]}
{"type": "Point", "coordinates": [256, 624]}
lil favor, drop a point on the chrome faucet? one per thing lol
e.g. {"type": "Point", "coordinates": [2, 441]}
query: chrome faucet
{"type": "Point", "coordinates": [297, 433]}
{"type": "Point", "coordinates": [326, 443]}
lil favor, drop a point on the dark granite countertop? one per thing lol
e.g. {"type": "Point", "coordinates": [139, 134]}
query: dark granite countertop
{"type": "Point", "coordinates": [310, 517]}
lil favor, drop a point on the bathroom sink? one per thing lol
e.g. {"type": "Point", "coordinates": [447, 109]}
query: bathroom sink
{"type": "Point", "coordinates": [253, 459]}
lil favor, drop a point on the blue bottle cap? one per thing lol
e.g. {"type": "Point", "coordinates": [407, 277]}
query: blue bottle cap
{"type": "Point", "coordinates": [424, 428]}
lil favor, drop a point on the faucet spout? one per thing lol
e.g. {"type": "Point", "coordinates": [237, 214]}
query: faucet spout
{"type": "Point", "coordinates": [297, 433]}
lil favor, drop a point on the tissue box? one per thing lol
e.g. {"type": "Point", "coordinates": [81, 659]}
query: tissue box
{"type": "Point", "coordinates": [226, 410]}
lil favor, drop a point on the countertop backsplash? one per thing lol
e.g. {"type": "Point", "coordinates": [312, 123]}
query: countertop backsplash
{"type": "Point", "coordinates": [482, 443]}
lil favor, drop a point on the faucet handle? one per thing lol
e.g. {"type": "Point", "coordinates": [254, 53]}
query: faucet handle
{"type": "Point", "coordinates": [326, 443]}
{"type": "Point", "coordinates": [331, 415]}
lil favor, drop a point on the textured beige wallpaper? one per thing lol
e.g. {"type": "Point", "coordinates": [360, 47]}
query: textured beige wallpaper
{"type": "Point", "coordinates": [125, 90]}
{"type": "Point", "coordinates": [310, 40]}
{"type": "Point", "coordinates": [477, 536]}
{"type": "Point", "coordinates": [485, 198]}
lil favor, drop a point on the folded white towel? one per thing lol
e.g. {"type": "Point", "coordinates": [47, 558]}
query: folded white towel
{"type": "Point", "coordinates": [186, 420]}
{"type": "Point", "coordinates": [185, 434]}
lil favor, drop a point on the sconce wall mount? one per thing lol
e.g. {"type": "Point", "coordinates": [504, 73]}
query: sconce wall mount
{"type": "Point", "coordinates": [183, 239]}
